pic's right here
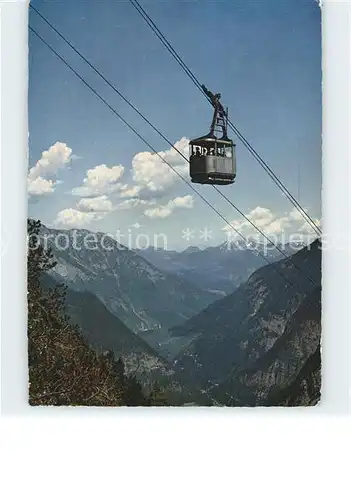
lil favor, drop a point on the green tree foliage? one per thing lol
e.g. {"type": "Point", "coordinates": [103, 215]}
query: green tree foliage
{"type": "Point", "coordinates": [159, 396]}
{"type": "Point", "coordinates": [63, 369]}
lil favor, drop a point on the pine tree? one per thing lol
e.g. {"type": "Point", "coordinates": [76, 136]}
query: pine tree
{"type": "Point", "coordinates": [63, 369]}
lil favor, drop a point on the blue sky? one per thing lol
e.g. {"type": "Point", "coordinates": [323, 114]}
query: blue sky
{"type": "Point", "coordinates": [263, 56]}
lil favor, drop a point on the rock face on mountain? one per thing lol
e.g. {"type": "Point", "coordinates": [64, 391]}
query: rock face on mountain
{"type": "Point", "coordinates": [306, 388]}
{"type": "Point", "coordinates": [140, 295]}
{"type": "Point", "coordinates": [289, 373]}
{"type": "Point", "coordinates": [218, 269]}
{"type": "Point", "coordinates": [251, 346]}
{"type": "Point", "coordinates": [105, 332]}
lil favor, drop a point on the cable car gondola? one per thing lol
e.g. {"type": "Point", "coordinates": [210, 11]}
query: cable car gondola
{"type": "Point", "coordinates": [212, 159]}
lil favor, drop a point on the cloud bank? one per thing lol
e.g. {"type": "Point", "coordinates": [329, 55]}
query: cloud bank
{"type": "Point", "coordinates": [40, 177]}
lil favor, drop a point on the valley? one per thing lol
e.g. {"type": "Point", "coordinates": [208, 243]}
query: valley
{"type": "Point", "coordinates": [244, 348]}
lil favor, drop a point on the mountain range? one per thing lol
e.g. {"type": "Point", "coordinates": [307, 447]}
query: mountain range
{"type": "Point", "coordinates": [220, 269]}
{"type": "Point", "coordinates": [258, 345]}
{"type": "Point", "coordinates": [259, 337]}
{"type": "Point", "coordinates": [139, 294]}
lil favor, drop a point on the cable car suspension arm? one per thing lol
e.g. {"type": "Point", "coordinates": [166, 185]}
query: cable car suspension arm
{"type": "Point", "coordinates": [220, 115]}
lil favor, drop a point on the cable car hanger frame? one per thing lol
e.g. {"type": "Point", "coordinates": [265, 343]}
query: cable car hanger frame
{"type": "Point", "coordinates": [212, 159]}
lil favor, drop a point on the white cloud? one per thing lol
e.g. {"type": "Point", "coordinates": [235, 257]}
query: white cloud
{"type": "Point", "coordinates": [40, 186]}
{"type": "Point", "coordinates": [277, 226]}
{"type": "Point", "coordinates": [130, 191]}
{"type": "Point", "coordinates": [163, 211]}
{"type": "Point", "coordinates": [133, 202]}
{"type": "Point", "coordinates": [52, 160]}
{"type": "Point", "coordinates": [160, 212]}
{"type": "Point", "coordinates": [151, 178]}
{"type": "Point", "coordinates": [152, 173]}
{"type": "Point", "coordinates": [173, 157]}
{"type": "Point", "coordinates": [268, 222]}
{"type": "Point", "coordinates": [183, 201]}
{"type": "Point", "coordinates": [295, 214]}
{"type": "Point", "coordinates": [272, 225]}
{"type": "Point", "coordinates": [127, 204]}
{"type": "Point", "coordinates": [86, 211]}
{"type": "Point", "coordinates": [98, 204]}
{"type": "Point", "coordinates": [72, 218]}
{"type": "Point", "coordinates": [261, 216]}
{"type": "Point", "coordinates": [307, 227]}
{"type": "Point", "coordinates": [39, 182]}
{"type": "Point", "coordinates": [101, 180]}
